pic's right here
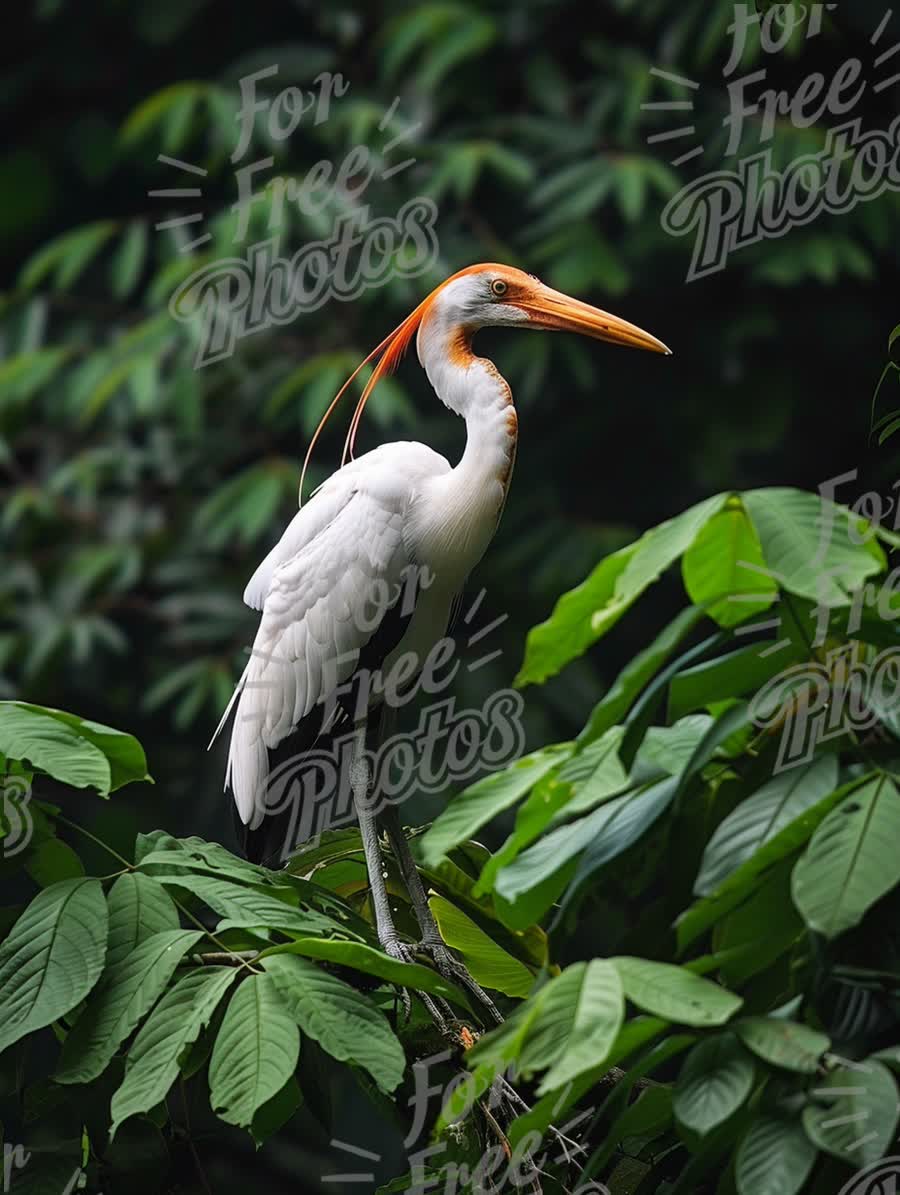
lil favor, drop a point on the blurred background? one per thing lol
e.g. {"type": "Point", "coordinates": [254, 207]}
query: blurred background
{"type": "Point", "coordinates": [139, 492]}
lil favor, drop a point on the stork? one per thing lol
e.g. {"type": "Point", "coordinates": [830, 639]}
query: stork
{"type": "Point", "coordinates": [335, 592]}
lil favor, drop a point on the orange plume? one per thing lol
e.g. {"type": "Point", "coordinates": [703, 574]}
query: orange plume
{"type": "Point", "coordinates": [389, 353]}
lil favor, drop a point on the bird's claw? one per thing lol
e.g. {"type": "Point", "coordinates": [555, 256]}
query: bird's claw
{"type": "Point", "coordinates": [456, 972]}
{"type": "Point", "coordinates": [403, 954]}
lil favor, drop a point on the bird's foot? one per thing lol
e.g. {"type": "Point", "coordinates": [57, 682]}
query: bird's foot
{"type": "Point", "coordinates": [456, 972]}
{"type": "Point", "coordinates": [405, 954]}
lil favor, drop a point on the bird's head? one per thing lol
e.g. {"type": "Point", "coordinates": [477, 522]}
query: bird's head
{"type": "Point", "coordinates": [491, 295]}
{"type": "Point", "coordinates": [480, 296]}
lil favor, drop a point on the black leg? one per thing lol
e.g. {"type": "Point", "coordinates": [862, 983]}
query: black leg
{"type": "Point", "coordinates": [432, 942]}
{"type": "Point", "coordinates": [384, 921]}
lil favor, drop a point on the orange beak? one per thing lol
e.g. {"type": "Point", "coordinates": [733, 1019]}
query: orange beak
{"type": "Point", "coordinates": [552, 310]}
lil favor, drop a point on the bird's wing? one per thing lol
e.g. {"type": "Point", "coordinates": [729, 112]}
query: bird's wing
{"type": "Point", "coordinates": [322, 604]}
{"type": "Point", "coordinates": [306, 524]}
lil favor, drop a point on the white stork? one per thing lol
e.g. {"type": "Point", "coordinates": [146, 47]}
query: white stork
{"type": "Point", "coordinates": [397, 512]}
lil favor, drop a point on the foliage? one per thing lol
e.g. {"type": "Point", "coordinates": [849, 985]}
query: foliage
{"type": "Point", "coordinates": [751, 998]}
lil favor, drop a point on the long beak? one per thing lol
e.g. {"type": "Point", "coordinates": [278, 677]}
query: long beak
{"type": "Point", "coordinates": [554, 311]}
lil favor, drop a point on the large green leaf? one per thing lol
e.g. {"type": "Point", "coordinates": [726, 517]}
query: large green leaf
{"type": "Point", "coordinates": [853, 1114]}
{"type": "Point", "coordinates": [163, 853]}
{"type": "Point", "coordinates": [343, 1022]}
{"type": "Point", "coordinates": [744, 881]}
{"type": "Point", "coordinates": [807, 546]}
{"type": "Point", "coordinates": [123, 998]}
{"type": "Point", "coordinates": [716, 1079]}
{"type": "Point", "coordinates": [760, 817]}
{"type": "Point", "coordinates": [255, 1053]}
{"type": "Point", "coordinates": [674, 993]}
{"type": "Point", "coordinates": [724, 570]}
{"type": "Point", "coordinates": [489, 963]}
{"type": "Point", "coordinates": [370, 961]}
{"type": "Point", "coordinates": [245, 907]}
{"type": "Point", "coordinates": [139, 907]}
{"type": "Point", "coordinates": [635, 675]}
{"type": "Point", "coordinates": [70, 749]}
{"type": "Point", "coordinates": [52, 957]}
{"type": "Point", "coordinates": [594, 774]}
{"type": "Point", "coordinates": [635, 1033]}
{"type": "Point", "coordinates": [784, 1043]}
{"type": "Point", "coordinates": [637, 813]}
{"type": "Point", "coordinates": [774, 1157]}
{"type": "Point", "coordinates": [733, 675]}
{"type": "Point", "coordinates": [475, 806]}
{"type": "Point", "coordinates": [610, 830]}
{"type": "Point", "coordinates": [569, 1026]}
{"type": "Point", "coordinates": [852, 859]}
{"type": "Point", "coordinates": [583, 615]}
{"type": "Point", "coordinates": [579, 618]}
{"type": "Point", "coordinates": [176, 1022]}
{"type": "Point", "coordinates": [662, 546]}
{"type": "Point", "coordinates": [580, 1014]}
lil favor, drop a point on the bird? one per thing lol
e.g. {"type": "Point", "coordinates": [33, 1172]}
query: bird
{"type": "Point", "coordinates": [364, 579]}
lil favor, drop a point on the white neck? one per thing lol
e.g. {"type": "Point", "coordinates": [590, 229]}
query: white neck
{"type": "Point", "coordinates": [467, 502]}
{"type": "Point", "coordinates": [474, 388]}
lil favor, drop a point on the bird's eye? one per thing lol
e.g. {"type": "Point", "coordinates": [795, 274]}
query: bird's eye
{"type": "Point", "coordinates": [498, 286]}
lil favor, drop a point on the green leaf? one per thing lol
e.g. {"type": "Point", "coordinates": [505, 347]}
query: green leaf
{"type": "Point", "coordinates": [734, 719]}
{"type": "Point", "coordinates": [851, 861]}
{"type": "Point", "coordinates": [67, 256]}
{"type": "Point", "coordinates": [635, 675]}
{"type": "Point", "coordinates": [716, 1079]}
{"type": "Point", "coordinates": [633, 1036]}
{"type": "Point", "coordinates": [71, 749]}
{"type": "Point", "coordinates": [176, 1022]}
{"type": "Point", "coordinates": [853, 1114]}
{"type": "Point", "coordinates": [659, 548]}
{"type": "Point", "coordinates": [775, 1157]}
{"type": "Point", "coordinates": [370, 961]}
{"type": "Point", "coordinates": [344, 1023]}
{"type": "Point", "coordinates": [582, 616]}
{"type": "Point", "coordinates": [489, 963]}
{"type": "Point", "coordinates": [126, 994]}
{"type": "Point", "coordinates": [546, 801]}
{"type": "Point", "coordinates": [743, 882]}
{"type": "Point", "coordinates": [579, 1017]}
{"type": "Point", "coordinates": [246, 908]}
{"type": "Point", "coordinates": [807, 546]}
{"type": "Point", "coordinates": [787, 1044]}
{"type": "Point", "coordinates": [255, 1053]}
{"type": "Point", "coordinates": [481, 802]}
{"type": "Point", "coordinates": [675, 993]}
{"type": "Point", "coordinates": [672, 748]}
{"type": "Point", "coordinates": [579, 618]}
{"type": "Point", "coordinates": [52, 958]}
{"type": "Point", "coordinates": [724, 570]}
{"type": "Point", "coordinates": [276, 1112]}
{"type": "Point", "coordinates": [760, 817]}
{"type": "Point", "coordinates": [594, 774]}
{"type": "Point", "coordinates": [630, 817]}
{"type": "Point", "coordinates": [138, 908]}
{"type": "Point", "coordinates": [732, 675]}
{"type": "Point", "coordinates": [128, 261]}
{"type": "Point", "coordinates": [611, 829]}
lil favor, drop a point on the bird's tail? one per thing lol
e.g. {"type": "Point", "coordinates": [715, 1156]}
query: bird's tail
{"type": "Point", "coordinates": [248, 760]}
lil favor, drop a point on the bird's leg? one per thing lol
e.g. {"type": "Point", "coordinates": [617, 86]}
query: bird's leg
{"type": "Point", "coordinates": [381, 905]}
{"type": "Point", "coordinates": [432, 942]}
